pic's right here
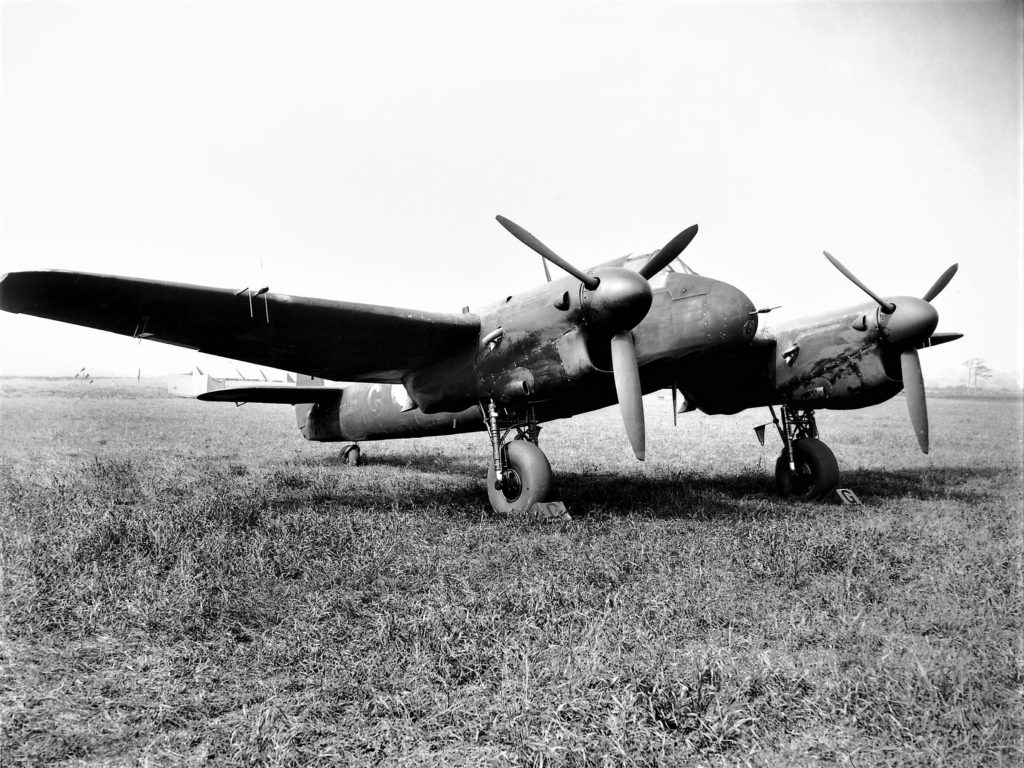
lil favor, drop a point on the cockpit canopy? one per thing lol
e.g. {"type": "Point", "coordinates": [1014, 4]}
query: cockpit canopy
{"type": "Point", "coordinates": [634, 263]}
{"type": "Point", "coordinates": [676, 266]}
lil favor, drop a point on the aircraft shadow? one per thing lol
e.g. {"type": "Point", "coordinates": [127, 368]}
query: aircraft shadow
{"type": "Point", "coordinates": [698, 494]}
{"type": "Point", "coordinates": [586, 493]}
{"type": "Point", "coordinates": [968, 484]}
{"type": "Point", "coordinates": [746, 492]}
{"type": "Point", "coordinates": [413, 462]}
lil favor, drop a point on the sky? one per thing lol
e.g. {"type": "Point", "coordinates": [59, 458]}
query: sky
{"type": "Point", "coordinates": [361, 151]}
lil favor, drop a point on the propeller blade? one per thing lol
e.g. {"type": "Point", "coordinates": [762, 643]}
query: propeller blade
{"type": "Point", "coordinates": [532, 242]}
{"type": "Point", "coordinates": [887, 306]}
{"type": "Point", "coordinates": [627, 388]}
{"type": "Point", "coordinates": [939, 338]}
{"type": "Point", "coordinates": [913, 387]}
{"type": "Point", "coordinates": [673, 248]}
{"type": "Point", "coordinates": [941, 283]}
{"type": "Point", "coordinates": [675, 414]}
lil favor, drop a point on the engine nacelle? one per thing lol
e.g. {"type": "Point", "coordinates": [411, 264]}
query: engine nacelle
{"type": "Point", "coordinates": [856, 381]}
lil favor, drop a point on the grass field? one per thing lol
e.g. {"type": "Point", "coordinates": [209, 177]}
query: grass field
{"type": "Point", "coordinates": [192, 583]}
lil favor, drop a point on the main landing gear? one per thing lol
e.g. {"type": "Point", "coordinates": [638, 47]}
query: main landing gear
{"type": "Point", "coordinates": [519, 475]}
{"type": "Point", "coordinates": [806, 468]}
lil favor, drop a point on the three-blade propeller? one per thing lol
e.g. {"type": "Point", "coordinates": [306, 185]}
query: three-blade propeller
{"type": "Point", "coordinates": [907, 325]}
{"type": "Point", "coordinates": [618, 300]}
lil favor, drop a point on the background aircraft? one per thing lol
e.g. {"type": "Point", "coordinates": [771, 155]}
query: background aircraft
{"type": "Point", "coordinates": [577, 343]}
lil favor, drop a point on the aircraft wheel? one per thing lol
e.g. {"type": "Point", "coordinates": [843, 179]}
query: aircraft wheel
{"type": "Point", "coordinates": [528, 481]}
{"type": "Point", "coordinates": [351, 455]}
{"type": "Point", "coordinates": [817, 472]}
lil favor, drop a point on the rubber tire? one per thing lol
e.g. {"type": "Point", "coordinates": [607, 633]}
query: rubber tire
{"type": "Point", "coordinates": [817, 471]}
{"type": "Point", "coordinates": [533, 471]}
{"type": "Point", "coordinates": [351, 455]}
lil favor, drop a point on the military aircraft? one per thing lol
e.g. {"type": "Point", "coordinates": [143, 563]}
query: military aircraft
{"type": "Point", "coordinates": [615, 332]}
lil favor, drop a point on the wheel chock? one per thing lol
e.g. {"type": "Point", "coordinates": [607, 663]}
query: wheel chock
{"type": "Point", "coordinates": [548, 512]}
{"type": "Point", "coordinates": [845, 496]}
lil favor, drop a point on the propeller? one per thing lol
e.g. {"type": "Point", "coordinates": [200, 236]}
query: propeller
{"type": "Point", "coordinates": [913, 386]}
{"type": "Point", "coordinates": [939, 338]}
{"type": "Point", "coordinates": [627, 388]}
{"type": "Point", "coordinates": [533, 243]}
{"type": "Point", "coordinates": [906, 326]}
{"type": "Point", "coordinates": [617, 301]}
{"type": "Point", "coordinates": [887, 306]}
{"type": "Point", "coordinates": [941, 283]}
{"type": "Point", "coordinates": [672, 248]}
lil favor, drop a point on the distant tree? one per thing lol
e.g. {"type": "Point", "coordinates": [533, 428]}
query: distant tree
{"type": "Point", "coordinates": [969, 364]}
{"type": "Point", "coordinates": [976, 369]}
{"type": "Point", "coordinates": [982, 372]}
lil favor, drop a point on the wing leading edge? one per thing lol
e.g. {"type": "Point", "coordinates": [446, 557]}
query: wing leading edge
{"type": "Point", "coordinates": [342, 341]}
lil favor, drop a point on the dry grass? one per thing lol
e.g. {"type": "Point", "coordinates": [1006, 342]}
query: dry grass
{"type": "Point", "coordinates": [187, 582]}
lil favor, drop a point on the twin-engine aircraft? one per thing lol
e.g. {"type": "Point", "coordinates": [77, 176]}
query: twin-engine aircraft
{"type": "Point", "coordinates": [615, 332]}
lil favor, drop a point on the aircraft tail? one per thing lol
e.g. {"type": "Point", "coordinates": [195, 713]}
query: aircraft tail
{"type": "Point", "coordinates": [306, 393]}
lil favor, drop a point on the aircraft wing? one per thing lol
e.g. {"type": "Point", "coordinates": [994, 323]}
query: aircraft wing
{"type": "Point", "coordinates": [335, 340]}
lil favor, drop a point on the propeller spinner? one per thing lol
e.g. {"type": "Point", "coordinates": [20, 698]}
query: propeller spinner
{"type": "Point", "coordinates": [617, 301]}
{"type": "Point", "coordinates": [907, 324]}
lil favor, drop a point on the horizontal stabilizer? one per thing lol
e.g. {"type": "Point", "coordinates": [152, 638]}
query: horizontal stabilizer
{"type": "Point", "coordinates": [290, 395]}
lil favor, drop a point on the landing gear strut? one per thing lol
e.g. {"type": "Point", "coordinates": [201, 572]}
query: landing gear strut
{"type": "Point", "coordinates": [519, 475]}
{"type": "Point", "coordinates": [806, 468]}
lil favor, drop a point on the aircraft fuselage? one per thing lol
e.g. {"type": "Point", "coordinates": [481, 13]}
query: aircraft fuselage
{"type": "Point", "coordinates": [545, 348]}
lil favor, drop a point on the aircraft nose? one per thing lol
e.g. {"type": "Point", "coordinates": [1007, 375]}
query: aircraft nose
{"type": "Point", "coordinates": [738, 320]}
{"type": "Point", "coordinates": [913, 320]}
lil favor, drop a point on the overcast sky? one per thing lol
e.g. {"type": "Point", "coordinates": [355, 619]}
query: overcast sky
{"type": "Point", "coordinates": [360, 152]}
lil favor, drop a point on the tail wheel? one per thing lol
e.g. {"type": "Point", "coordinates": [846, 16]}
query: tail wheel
{"type": "Point", "coordinates": [351, 455]}
{"type": "Point", "coordinates": [527, 481]}
{"type": "Point", "coordinates": [816, 474]}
